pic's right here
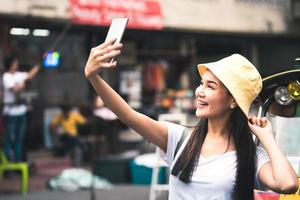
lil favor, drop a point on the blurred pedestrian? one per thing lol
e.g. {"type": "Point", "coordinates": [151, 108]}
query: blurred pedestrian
{"type": "Point", "coordinates": [15, 108]}
{"type": "Point", "coordinates": [65, 125]}
{"type": "Point", "coordinates": [218, 159]}
{"type": "Point", "coordinates": [105, 122]}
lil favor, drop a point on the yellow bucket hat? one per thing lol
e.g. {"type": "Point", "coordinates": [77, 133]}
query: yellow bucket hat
{"type": "Point", "coordinates": [239, 76]}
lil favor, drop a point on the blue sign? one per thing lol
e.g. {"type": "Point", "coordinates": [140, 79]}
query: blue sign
{"type": "Point", "coordinates": [51, 59]}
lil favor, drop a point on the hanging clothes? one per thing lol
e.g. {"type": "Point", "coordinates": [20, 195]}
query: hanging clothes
{"type": "Point", "coordinates": [154, 77]}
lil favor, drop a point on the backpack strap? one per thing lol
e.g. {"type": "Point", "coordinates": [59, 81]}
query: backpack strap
{"type": "Point", "coordinates": [185, 133]}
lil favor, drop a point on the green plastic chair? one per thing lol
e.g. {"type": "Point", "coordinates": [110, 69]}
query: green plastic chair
{"type": "Point", "coordinates": [5, 165]}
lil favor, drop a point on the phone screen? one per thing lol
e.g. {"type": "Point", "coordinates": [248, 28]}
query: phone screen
{"type": "Point", "coordinates": [116, 30]}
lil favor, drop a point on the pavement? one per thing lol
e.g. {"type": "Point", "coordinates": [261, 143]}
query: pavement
{"type": "Point", "coordinates": [119, 192]}
{"type": "Point", "coordinates": [43, 166]}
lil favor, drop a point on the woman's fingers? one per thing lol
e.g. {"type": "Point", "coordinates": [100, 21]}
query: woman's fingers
{"type": "Point", "coordinates": [109, 65]}
{"type": "Point", "coordinates": [106, 43]}
{"type": "Point", "coordinates": [263, 122]}
{"type": "Point", "coordinates": [267, 122]}
{"type": "Point", "coordinates": [260, 126]}
{"type": "Point", "coordinates": [258, 121]}
{"type": "Point", "coordinates": [108, 56]}
{"type": "Point", "coordinates": [101, 56]}
{"type": "Point", "coordinates": [105, 47]}
{"type": "Point", "coordinates": [106, 53]}
{"type": "Point", "coordinates": [108, 46]}
{"type": "Point", "coordinates": [111, 48]}
{"type": "Point", "coordinates": [252, 120]}
{"type": "Point", "coordinates": [99, 52]}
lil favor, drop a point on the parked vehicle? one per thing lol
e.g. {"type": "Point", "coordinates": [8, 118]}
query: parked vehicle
{"type": "Point", "coordinates": [279, 100]}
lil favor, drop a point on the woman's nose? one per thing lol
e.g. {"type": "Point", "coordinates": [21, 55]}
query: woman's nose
{"type": "Point", "coordinates": [199, 91]}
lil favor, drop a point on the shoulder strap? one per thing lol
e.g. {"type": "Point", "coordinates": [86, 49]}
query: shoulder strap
{"type": "Point", "coordinates": [182, 138]}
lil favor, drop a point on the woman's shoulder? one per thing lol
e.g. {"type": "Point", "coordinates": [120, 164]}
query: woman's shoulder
{"type": "Point", "coordinates": [6, 74]}
{"type": "Point", "coordinates": [177, 132]}
{"type": "Point", "coordinates": [174, 128]}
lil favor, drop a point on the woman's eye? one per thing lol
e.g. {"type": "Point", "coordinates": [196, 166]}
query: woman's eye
{"type": "Point", "coordinates": [210, 87]}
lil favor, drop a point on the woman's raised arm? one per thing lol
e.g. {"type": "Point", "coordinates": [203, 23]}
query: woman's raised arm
{"type": "Point", "coordinates": [278, 174]}
{"type": "Point", "coordinates": [98, 60]}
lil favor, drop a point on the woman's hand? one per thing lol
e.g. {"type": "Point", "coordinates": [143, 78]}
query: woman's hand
{"type": "Point", "coordinates": [260, 126]}
{"type": "Point", "coordinates": [278, 174]}
{"type": "Point", "coordinates": [101, 56]}
{"type": "Point", "coordinates": [19, 87]}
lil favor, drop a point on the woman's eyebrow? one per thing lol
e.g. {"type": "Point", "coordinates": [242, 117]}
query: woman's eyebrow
{"type": "Point", "coordinates": [208, 82]}
{"type": "Point", "coordinates": [213, 82]}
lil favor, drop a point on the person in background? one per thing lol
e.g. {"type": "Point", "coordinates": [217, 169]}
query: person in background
{"type": "Point", "coordinates": [65, 126]}
{"type": "Point", "coordinates": [218, 159]}
{"type": "Point", "coordinates": [15, 109]}
{"type": "Point", "coordinates": [105, 122]}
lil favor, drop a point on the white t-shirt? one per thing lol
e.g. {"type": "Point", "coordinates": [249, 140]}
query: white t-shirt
{"type": "Point", "coordinates": [214, 176]}
{"type": "Point", "coordinates": [9, 81]}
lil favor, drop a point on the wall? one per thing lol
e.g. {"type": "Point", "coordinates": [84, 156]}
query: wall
{"type": "Point", "coordinates": [256, 16]}
{"type": "Point", "coordinates": [37, 8]}
{"type": "Point", "coordinates": [225, 15]}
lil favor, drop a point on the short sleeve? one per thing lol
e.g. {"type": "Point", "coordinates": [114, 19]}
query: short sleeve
{"type": "Point", "coordinates": [8, 82]}
{"type": "Point", "coordinates": [262, 158]}
{"type": "Point", "coordinates": [174, 134]}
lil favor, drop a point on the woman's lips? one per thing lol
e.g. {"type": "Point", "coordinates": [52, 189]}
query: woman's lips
{"type": "Point", "coordinates": [201, 103]}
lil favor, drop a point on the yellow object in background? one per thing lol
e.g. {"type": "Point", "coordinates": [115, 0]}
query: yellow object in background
{"type": "Point", "coordinates": [6, 165]}
{"type": "Point", "coordinates": [295, 196]}
{"type": "Point", "coordinates": [294, 90]}
{"type": "Point", "coordinates": [289, 197]}
{"type": "Point", "coordinates": [70, 123]}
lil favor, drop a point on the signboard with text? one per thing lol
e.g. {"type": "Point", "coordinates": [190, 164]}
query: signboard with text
{"type": "Point", "coordinates": [142, 14]}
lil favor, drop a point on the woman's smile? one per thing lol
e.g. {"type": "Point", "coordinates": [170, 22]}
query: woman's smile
{"type": "Point", "coordinates": [201, 104]}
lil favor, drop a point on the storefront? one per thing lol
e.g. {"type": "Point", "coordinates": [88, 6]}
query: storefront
{"type": "Point", "coordinates": [157, 69]}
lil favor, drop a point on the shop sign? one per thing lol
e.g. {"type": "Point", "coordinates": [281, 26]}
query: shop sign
{"type": "Point", "coordinates": [142, 14]}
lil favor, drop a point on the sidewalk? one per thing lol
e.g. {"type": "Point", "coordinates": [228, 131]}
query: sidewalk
{"type": "Point", "coordinates": [119, 192]}
{"type": "Point", "coordinates": [43, 166]}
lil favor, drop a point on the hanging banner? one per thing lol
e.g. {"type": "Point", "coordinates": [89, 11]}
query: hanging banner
{"type": "Point", "coordinates": [142, 14]}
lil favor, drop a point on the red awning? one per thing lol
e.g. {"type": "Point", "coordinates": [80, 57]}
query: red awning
{"type": "Point", "coordinates": [142, 14]}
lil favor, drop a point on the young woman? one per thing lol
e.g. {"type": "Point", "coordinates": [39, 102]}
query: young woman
{"type": "Point", "coordinates": [15, 108]}
{"type": "Point", "coordinates": [219, 159]}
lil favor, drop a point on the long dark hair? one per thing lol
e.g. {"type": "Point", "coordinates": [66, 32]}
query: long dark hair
{"type": "Point", "coordinates": [245, 148]}
{"type": "Point", "coordinates": [8, 61]}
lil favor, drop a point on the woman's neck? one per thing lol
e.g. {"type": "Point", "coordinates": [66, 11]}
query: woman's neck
{"type": "Point", "coordinates": [12, 71]}
{"type": "Point", "coordinates": [218, 126]}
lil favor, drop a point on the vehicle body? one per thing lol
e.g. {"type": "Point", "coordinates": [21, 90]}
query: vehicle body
{"type": "Point", "coordinates": [279, 101]}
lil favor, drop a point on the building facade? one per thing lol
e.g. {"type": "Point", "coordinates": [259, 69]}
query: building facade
{"type": "Point", "coordinates": [172, 35]}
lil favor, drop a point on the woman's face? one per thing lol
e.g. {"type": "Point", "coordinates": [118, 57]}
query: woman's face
{"type": "Point", "coordinates": [212, 98]}
{"type": "Point", "coordinates": [14, 65]}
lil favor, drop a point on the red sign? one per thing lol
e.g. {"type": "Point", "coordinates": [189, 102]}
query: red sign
{"type": "Point", "coordinates": [142, 14]}
{"type": "Point", "coordinates": [266, 196]}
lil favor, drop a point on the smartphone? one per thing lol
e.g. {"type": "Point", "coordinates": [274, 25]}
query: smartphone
{"type": "Point", "coordinates": [116, 30]}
